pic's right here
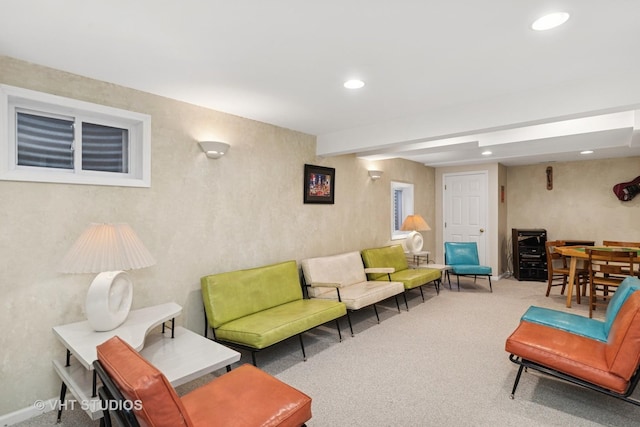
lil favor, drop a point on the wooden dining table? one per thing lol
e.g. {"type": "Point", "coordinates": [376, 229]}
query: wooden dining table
{"type": "Point", "coordinates": [580, 252]}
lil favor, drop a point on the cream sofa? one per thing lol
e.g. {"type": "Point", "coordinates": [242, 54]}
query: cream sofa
{"type": "Point", "coordinates": [343, 278]}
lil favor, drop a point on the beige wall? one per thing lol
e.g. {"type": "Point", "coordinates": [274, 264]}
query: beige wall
{"type": "Point", "coordinates": [200, 216]}
{"type": "Point", "coordinates": [581, 204]}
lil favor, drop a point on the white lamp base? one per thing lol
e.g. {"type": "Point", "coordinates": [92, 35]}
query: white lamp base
{"type": "Point", "coordinates": [414, 242]}
{"type": "Point", "coordinates": [109, 300]}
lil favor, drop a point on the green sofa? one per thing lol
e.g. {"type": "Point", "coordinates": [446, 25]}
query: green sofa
{"type": "Point", "coordinates": [394, 257]}
{"type": "Point", "coordinates": [262, 306]}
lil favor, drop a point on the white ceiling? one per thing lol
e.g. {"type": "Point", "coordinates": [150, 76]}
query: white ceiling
{"type": "Point", "coordinates": [444, 80]}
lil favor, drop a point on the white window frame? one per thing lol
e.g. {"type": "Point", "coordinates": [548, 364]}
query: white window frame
{"type": "Point", "coordinates": [137, 124]}
{"type": "Point", "coordinates": [406, 208]}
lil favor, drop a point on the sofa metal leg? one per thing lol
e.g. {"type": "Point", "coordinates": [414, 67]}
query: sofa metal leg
{"type": "Point", "coordinates": [253, 358]}
{"type": "Point", "coordinates": [339, 333]}
{"type": "Point", "coordinates": [304, 355]}
{"type": "Point", "coordinates": [404, 295]}
{"type": "Point", "coordinates": [397, 303]}
{"type": "Point", "coordinates": [458, 277]}
{"type": "Point", "coordinates": [351, 326]}
{"type": "Point", "coordinates": [490, 287]}
{"type": "Point", "coordinates": [421, 293]}
{"type": "Point", "coordinates": [377, 316]}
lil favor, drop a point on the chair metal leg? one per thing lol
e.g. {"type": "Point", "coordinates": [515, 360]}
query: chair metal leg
{"type": "Point", "coordinates": [397, 303]}
{"type": "Point", "coordinates": [515, 383]}
{"type": "Point", "coordinates": [406, 304]}
{"type": "Point", "coordinates": [458, 277]}
{"type": "Point", "coordinates": [253, 358]}
{"type": "Point", "coordinates": [421, 293]}
{"type": "Point", "coordinates": [490, 287]}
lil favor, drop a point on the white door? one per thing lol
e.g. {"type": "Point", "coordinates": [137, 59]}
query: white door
{"type": "Point", "coordinates": [465, 209]}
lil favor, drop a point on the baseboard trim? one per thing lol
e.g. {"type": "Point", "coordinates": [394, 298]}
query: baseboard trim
{"type": "Point", "coordinates": [38, 408]}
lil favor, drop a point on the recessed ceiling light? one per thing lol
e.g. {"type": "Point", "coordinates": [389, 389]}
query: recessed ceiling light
{"type": "Point", "coordinates": [587, 152]}
{"type": "Point", "coordinates": [353, 84]}
{"type": "Point", "coordinates": [550, 21]}
{"type": "Point", "coordinates": [486, 153]}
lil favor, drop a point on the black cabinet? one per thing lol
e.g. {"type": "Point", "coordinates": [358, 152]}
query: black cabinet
{"type": "Point", "coordinates": [529, 255]}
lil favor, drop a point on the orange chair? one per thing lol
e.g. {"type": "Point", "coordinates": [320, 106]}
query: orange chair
{"type": "Point", "coordinates": [142, 395]}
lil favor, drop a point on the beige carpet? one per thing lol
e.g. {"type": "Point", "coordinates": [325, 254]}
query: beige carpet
{"type": "Point", "coordinates": [440, 364]}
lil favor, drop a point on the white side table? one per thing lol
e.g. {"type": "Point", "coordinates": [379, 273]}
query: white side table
{"type": "Point", "coordinates": [443, 268]}
{"type": "Point", "coordinates": [181, 355]}
{"type": "Point", "coordinates": [415, 258]}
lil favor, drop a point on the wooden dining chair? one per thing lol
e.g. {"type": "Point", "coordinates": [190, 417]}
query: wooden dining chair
{"type": "Point", "coordinates": [607, 269]}
{"type": "Point", "coordinates": [558, 270]}
{"type": "Point", "coordinates": [621, 244]}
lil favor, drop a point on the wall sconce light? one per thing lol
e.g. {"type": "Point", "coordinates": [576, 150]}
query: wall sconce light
{"type": "Point", "coordinates": [375, 174]}
{"type": "Point", "coordinates": [214, 149]}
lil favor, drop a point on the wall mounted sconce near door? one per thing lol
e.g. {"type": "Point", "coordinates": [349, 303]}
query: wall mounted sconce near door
{"type": "Point", "coordinates": [375, 175]}
{"type": "Point", "coordinates": [214, 149]}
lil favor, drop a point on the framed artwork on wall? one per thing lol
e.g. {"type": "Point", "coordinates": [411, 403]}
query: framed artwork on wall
{"type": "Point", "coordinates": [319, 184]}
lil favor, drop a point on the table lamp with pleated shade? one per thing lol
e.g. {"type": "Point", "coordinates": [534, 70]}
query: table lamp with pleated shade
{"type": "Point", "coordinates": [415, 224]}
{"type": "Point", "coordinates": [107, 249]}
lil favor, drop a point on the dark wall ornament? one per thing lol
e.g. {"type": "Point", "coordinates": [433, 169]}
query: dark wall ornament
{"type": "Point", "coordinates": [626, 191]}
{"type": "Point", "coordinates": [319, 184]}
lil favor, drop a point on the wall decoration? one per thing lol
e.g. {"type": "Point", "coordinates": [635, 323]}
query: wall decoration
{"type": "Point", "coordinates": [319, 184]}
{"type": "Point", "coordinates": [626, 191]}
{"type": "Point", "coordinates": [549, 178]}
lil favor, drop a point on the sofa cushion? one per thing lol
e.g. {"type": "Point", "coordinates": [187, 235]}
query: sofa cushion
{"type": "Point", "coordinates": [343, 269]}
{"type": "Point", "coordinates": [590, 328]}
{"type": "Point", "coordinates": [233, 295]}
{"type": "Point", "coordinates": [628, 286]}
{"type": "Point", "coordinates": [139, 381]}
{"type": "Point", "coordinates": [223, 401]}
{"type": "Point", "coordinates": [267, 327]}
{"type": "Point", "coordinates": [623, 351]}
{"type": "Point", "coordinates": [414, 277]}
{"type": "Point", "coordinates": [388, 256]}
{"type": "Point", "coordinates": [363, 294]}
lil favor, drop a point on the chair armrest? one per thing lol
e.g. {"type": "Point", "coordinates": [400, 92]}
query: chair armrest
{"type": "Point", "coordinates": [380, 270]}
{"type": "Point", "coordinates": [324, 285]}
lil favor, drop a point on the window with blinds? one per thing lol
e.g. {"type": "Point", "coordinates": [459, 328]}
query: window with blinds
{"type": "Point", "coordinates": [55, 139]}
{"type": "Point", "coordinates": [401, 206]}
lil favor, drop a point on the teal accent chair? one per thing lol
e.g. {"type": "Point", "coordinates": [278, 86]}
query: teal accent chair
{"type": "Point", "coordinates": [463, 259]}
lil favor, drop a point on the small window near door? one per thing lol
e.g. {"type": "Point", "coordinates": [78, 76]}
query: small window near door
{"type": "Point", "coordinates": [401, 206]}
